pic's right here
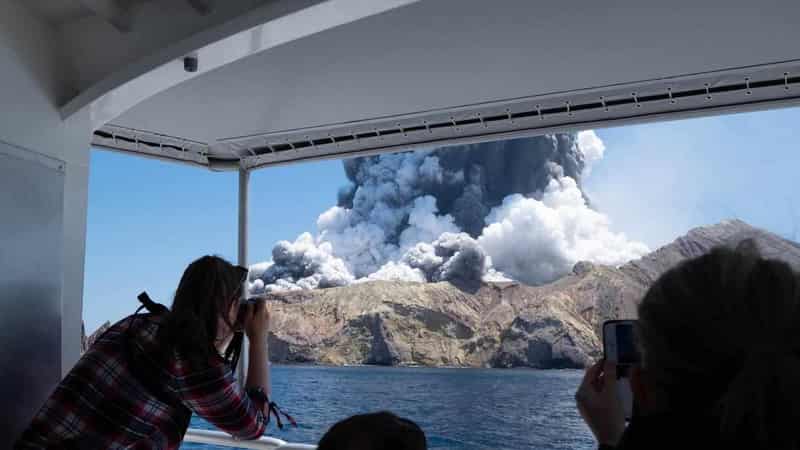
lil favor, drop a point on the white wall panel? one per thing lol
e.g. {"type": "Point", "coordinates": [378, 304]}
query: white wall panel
{"type": "Point", "coordinates": [31, 193]}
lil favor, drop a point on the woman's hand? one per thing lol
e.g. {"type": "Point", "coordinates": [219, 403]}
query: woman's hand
{"type": "Point", "coordinates": [256, 321]}
{"type": "Point", "coordinates": [599, 405]}
{"type": "Point", "coordinates": [256, 325]}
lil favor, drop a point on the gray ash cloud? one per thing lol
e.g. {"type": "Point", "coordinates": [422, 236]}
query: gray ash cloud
{"type": "Point", "coordinates": [498, 210]}
{"type": "Point", "coordinates": [472, 179]}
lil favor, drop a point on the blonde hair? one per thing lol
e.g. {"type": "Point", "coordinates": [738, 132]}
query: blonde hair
{"type": "Point", "coordinates": [721, 334]}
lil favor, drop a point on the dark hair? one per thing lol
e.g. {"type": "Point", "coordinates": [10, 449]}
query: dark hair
{"type": "Point", "coordinates": [375, 431]}
{"type": "Point", "coordinates": [206, 293]}
{"type": "Point", "coordinates": [721, 334]}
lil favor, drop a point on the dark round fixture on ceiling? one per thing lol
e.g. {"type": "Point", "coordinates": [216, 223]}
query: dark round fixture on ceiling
{"type": "Point", "coordinates": [190, 64]}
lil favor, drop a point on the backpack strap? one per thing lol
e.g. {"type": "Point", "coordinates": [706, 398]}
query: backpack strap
{"type": "Point", "coordinates": [139, 361]}
{"type": "Point", "coordinates": [151, 306]}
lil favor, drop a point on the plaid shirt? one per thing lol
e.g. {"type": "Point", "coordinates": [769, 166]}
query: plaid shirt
{"type": "Point", "coordinates": [101, 403]}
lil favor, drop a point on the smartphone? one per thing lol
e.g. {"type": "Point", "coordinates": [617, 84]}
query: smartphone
{"type": "Point", "coordinates": [620, 347]}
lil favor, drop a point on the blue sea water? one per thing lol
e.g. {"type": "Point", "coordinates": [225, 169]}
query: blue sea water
{"type": "Point", "coordinates": [459, 409]}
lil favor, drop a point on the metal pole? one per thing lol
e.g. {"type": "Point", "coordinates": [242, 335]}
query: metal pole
{"type": "Point", "coordinates": [244, 186]}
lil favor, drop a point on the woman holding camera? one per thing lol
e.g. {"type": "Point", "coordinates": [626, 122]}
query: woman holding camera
{"type": "Point", "coordinates": [140, 382]}
{"type": "Point", "coordinates": [720, 342]}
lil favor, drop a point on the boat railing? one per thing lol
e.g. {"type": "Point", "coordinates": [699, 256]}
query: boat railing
{"type": "Point", "coordinates": [219, 438]}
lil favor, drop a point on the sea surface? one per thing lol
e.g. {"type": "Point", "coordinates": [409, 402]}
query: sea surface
{"type": "Point", "coordinates": [459, 409]}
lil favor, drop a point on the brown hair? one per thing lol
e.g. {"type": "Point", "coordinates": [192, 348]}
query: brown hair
{"type": "Point", "coordinates": [721, 334]}
{"type": "Point", "coordinates": [207, 290]}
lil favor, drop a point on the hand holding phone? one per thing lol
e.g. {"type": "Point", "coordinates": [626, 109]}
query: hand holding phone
{"type": "Point", "coordinates": [598, 403]}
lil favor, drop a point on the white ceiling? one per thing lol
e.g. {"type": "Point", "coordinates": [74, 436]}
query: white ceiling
{"type": "Point", "coordinates": [58, 12]}
{"type": "Point", "coordinates": [62, 12]}
{"type": "Point", "coordinates": [447, 53]}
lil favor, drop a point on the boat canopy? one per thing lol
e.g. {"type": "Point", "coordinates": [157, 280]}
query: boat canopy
{"type": "Point", "coordinates": [429, 73]}
{"type": "Point", "coordinates": [246, 84]}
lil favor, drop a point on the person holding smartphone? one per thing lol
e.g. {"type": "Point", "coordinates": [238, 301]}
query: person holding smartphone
{"type": "Point", "coordinates": [719, 338]}
{"type": "Point", "coordinates": [140, 382]}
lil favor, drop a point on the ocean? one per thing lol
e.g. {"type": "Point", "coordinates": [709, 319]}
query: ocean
{"type": "Point", "coordinates": [459, 409]}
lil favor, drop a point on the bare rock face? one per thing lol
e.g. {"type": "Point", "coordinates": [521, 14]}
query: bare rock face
{"type": "Point", "coordinates": [439, 324]}
{"type": "Point", "coordinates": [492, 325]}
{"type": "Point", "coordinates": [698, 241]}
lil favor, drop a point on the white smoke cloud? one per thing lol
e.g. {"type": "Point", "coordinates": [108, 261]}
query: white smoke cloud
{"type": "Point", "coordinates": [424, 225]}
{"type": "Point", "coordinates": [423, 256]}
{"type": "Point", "coordinates": [465, 259]}
{"type": "Point", "coordinates": [396, 271]}
{"type": "Point", "coordinates": [304, 264]}
{"type": "Point", "coordinates": [520, 203]}
{"type": "Point", "coordinates": [451, 257]}
{"type": "Point", "coordinates": [592, 148]}
{"type": "Point", "coordinates": [258, 269]}
{"type": "Point", "coordinates": [366, 235]}
{"type": "Point", "coordinates": [539, 240]}
{"type": "Point", "coordinates": [256, 286]}
{"type": "Point", "coordinates": [361, 244]}
{"type": "Point", "coordinates": [495, 276]}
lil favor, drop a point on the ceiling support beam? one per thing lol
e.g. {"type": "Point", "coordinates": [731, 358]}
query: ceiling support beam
{"type": "Point", "coordinates": [203, 7]}
{"type": "Point", "coordinates": [112, 11]}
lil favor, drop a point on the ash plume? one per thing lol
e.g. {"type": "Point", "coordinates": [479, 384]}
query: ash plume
{"type": "Point", "coordinates": [467, 181]}
{"type": "Point", "coordinates": [507, 209]}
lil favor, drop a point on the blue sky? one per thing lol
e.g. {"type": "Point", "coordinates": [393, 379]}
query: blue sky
{"type": "Point", "coordinates": [658, 180]}
{"type": "Point", "coordinates": [148, 219]}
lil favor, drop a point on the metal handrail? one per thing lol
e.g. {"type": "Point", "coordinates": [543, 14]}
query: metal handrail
{"type": "Point", "coordinates": [218, 438]}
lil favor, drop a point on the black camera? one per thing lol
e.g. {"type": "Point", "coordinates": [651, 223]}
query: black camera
{"type": "Point", "coordinates": [240, 315]}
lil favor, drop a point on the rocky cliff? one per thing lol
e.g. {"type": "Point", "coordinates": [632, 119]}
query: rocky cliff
{"type": "Point", "coordinates": [488, 325]}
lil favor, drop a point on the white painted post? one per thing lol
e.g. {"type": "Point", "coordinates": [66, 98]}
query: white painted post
{"type": "Point", "coordinates": [244, 186]}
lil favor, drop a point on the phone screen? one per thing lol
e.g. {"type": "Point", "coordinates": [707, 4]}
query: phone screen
{"type": "Point", "coordinates": [627, 353]}
{"type": "Point", "coordinates": [619, 346]}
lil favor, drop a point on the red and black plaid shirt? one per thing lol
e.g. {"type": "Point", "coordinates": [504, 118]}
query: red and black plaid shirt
{"type": "Point", "coordinates": [101, 403]}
